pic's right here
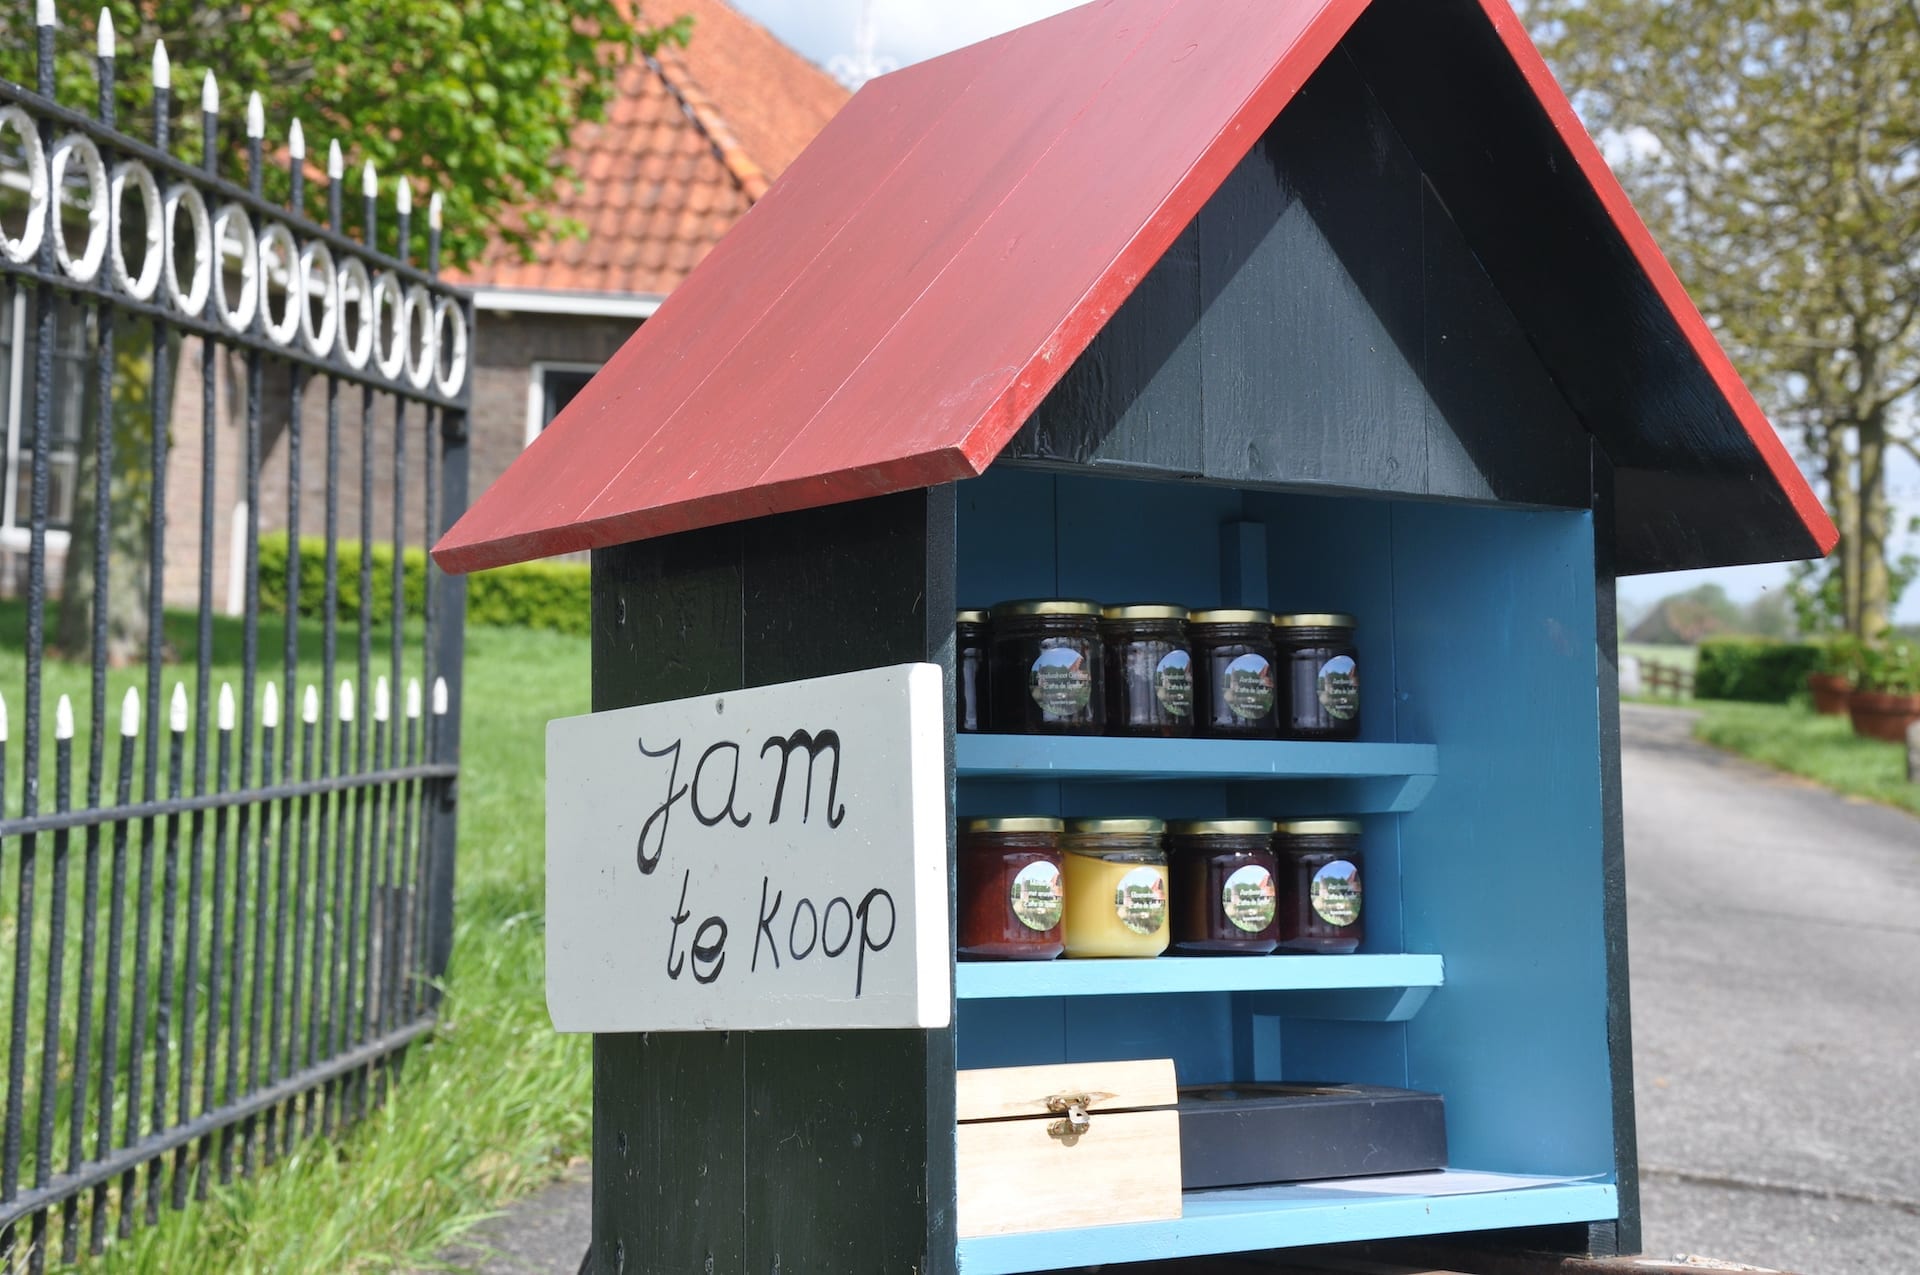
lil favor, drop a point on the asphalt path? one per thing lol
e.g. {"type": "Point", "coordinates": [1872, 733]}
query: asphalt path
{"type": "Point", "coordinates": [1774, 940]}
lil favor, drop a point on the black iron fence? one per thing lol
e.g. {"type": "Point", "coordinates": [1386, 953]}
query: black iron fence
{"type": "Point", "coordinates": [224, 926]}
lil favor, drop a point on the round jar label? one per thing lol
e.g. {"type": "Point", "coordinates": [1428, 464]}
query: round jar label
{"type": "Point", "coordinates": [1061, 683]}
{"type": "Point", "coordinates": [1035, 895]}
{"type": "Point", "coordinates": [1249, 687]}
{"type": "Point", "coordinates": [1340, 688]}
{"type": "Point", "coordinates": [1140, 900]}
{"type": "Point", "coordinates": [1173, 683]}
{"type": "Point", "coordinates": [1247, 898]}
{"type": "Point", "coordinates": [1336, 893]}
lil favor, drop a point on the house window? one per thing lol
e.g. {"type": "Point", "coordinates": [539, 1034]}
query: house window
{"type": "Point", "coordinates": [73, 374]}
{"type": "Point", "coordinates": [550, 388]}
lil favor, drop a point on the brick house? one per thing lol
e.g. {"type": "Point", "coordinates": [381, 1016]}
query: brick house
{"type": "Point", "coordinates": [692, 138]}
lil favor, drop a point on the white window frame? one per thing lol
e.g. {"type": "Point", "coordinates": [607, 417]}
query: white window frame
{"type": "Point", "coordinates": [14, 535]}
{"type": "Point", "coordinates": [537, 390]}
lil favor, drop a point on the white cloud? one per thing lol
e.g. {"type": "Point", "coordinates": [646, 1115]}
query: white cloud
{"type": "Point", "coordinates": [906, 30]}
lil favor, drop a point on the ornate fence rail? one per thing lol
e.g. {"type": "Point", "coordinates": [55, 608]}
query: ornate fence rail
{"type": "Point", "coordinates": [222, 931]}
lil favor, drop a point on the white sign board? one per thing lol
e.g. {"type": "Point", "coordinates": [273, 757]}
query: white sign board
{"type": "Point", "coordinates": [767, 858]}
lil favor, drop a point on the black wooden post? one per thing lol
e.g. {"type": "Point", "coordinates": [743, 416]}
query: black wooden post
{"type": "Point", "coordinates": [773, 1152]}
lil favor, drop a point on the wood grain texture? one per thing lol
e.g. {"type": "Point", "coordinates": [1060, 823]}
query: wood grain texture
{"type": "Point", "coordinates": [1015, 1177]}
{"type": "Point", "coordinates": [1007, 1093]}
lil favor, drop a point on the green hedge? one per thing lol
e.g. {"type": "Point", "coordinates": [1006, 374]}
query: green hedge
{"type": "Point", "coordinates": [1759, 670]}
{"type": "Point", "coordinates": [532, 595]}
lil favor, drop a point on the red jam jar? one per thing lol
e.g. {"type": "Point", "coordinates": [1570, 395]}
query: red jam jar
{"type": "Point", "coordinates": [1011, 900]}
{"type": "Point", "coordinates": [1224, 888]}
{"type": "Point", "coordinates": [970, 656]}
{"type": "Point", "coordinates": [1046, 674]}
{"type": "Point", "coordinates": [1149, 670]}
{"type": "Point", "coordinates": [1320, 872]}
{"type": "Point", "coordinates": [1319, 676]}
{"type": "Point", "coordinates": [1233, 665]}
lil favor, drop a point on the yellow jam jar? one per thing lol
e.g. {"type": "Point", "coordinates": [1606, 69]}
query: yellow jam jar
{"type": "Point", "coordinates": [1115, 878]}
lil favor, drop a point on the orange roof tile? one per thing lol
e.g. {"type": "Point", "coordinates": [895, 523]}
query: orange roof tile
{"type": "Point", "coordinates": [691, 139]}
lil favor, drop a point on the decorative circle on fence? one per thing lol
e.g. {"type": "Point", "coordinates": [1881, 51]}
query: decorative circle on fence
{"type": "Point", "coordinates": [316, 270]}
{"type": "Point", "coordinates": [232, 220]}
{"type": "Point", "coordinates": [357, 289]}
{"type": "Point", "coordinates": [142, 287]}
{"type": "Point", "coordinates": [389, 325]}
{"type": "Point", "coordinates": [418, 325]}
{"type": "Point", "coordinates": [449, 346]}
{"type": "Point", "coordinates": [21, 250]}
{"type": "Point", "coordinates": [275, 238]}
{"type": "Point", "coordinates": [84, 268]}
{"type": "Point", "coordinates": [193, 299]}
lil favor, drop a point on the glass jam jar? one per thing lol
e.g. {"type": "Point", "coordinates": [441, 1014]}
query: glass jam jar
{"type": "Point", "coordinates": [1233, 658]}
{"type": "Point", "coordinates": [1149, 670]}
{"type": "Point", "coordinates": [1116, 874]}
{"type": "Point", "coordinates": [1224, 891]}
{"type": "Point", "coordinates": [1320, 871]}
{"type": "Point", "coordinates": [1045, 676]}
{"type": "Point", "coordinates": [1319, 676]}
{"type": "Point", "coordinates": [970, 671]}
{"type": "Point", "coordinates": [1011, 898]}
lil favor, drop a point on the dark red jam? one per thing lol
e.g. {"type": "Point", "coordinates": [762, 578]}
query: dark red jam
{"type": "Point", "coordinates": [1224, 887]}
{"type": "Point", "coordinates": [1233, 663]}
{"type": "Point", "coordinates": [1046, 675]}
{"type": "Point", "coordinates": [970, 656]}
{"type": "Point", "coordinates": [1320, 885]}
{"type": "Point", "coordinates": [1149, 671]}
{"type": "Point", "coordinates": [1319, 678]}
{"type": "Point", "coordinates": [1011, 900]}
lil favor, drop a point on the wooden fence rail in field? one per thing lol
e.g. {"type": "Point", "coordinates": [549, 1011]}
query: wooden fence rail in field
{"type": "Point", "coordinates": [1666, 679]}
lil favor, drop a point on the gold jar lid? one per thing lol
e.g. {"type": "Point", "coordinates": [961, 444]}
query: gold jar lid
{"type": "Point", "coordinates": [1130, 827]}
{"type": "Point", "coordinates": [1318, 827]}
{"type": "Point", "coordinates": [1232, 615]}
{"type": "Point", "coordinates": [1221, 828]}
{"type": "Point", "coordinates": [972, 617]}
{"type": "Point", "coordinates": [1018, 823]}
{"type": "Point", "coordinates": [1048, 606]}
{"type": "Point", "coordinates": [1315, 620]}
{"type": "Point", "coordinates": [1144, 611]}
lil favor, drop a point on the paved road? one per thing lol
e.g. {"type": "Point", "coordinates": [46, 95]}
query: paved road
{"type": "Point", "coordinates": [1774, 932]}
{"type": "Point", "coordinates": [1775, 940]}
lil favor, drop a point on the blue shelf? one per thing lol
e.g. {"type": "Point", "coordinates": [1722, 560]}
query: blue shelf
{"type": "Point", "coordinates": [1353, 778]}
{"type": "Point", "coordinates": [1256, 1218]}
{"type": "Point", "coordinates": [1366, 988]}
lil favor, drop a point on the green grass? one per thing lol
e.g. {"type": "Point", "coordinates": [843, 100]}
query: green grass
{"type": "Point", "coordinates": [490, 1106]}
{"type": "Point", "coordinates": [1793, 738]}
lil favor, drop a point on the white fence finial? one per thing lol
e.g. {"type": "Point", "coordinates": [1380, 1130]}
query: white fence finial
{"type": "Point", "coordinates": [369, 181]}
{"type": "Point", "coordinates": [226, 706]}
{"type": "Point", "coordinates": [345, 712]}
{"type": "Point", "coordinates": [310, 705]}
{"type": "Point", "coordinates": [382, 699]}
{"type": "Point", "coordinates": [177, 710]}
{"type": "Point", "coordinates": [130, 713]}
{"type": "Point", "coordinates": [63, 718]}
{"type": "Point", "coordinates": [3, 719]}
{"type": "Point", "coordinates": [336, 163]}
{"type": "Point", "coordinates": [256, 115]}
{"type": "Point", "coordinates": [104, 33]}
{"type": "Point", "coordinates": [43, 13]}
{"type": "Point", "coordinates": [270, 707]}
{"type": "Point", "coordinates": [403, 197]}
{"type": "Point", "coordinates": [210, 95]}
{"type": "Point", "coordinates": [162, 68]}
{"type": "Point", "coordinates": [413, 697]}
{"type": "Point", "coordinates": [296, 141]}
{"type": "Point", "coordinates": [435, 210]}
{"type": "Point", "coordinates": [439, 697]}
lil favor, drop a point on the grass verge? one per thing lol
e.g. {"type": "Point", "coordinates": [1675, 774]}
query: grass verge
{"type": "Point", "coordinates": [1793, 738]}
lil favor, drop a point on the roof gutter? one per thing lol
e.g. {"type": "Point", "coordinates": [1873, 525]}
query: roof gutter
{"type": "Point", "coordinates": [596, 305]}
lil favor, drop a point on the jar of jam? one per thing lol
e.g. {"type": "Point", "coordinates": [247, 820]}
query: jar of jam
{"type": "Point", "coordinates": [1223, 887]}
{"type": "Point", "coordinates": [1010, 889]}
{"type": "Point", "coordinates": [1116, 876]}
{"type": "Point", "coordinates": [1045, 676]}
{"type": "Point", "coordinates": [1320, 869]}
{"type": "Point", "coordinates": [1319, 677]}
{"type": "Point", "coordinates": [1149, 671]}
{"type": "Point", "coordinates": [970, 671]}
{"type": "Point", "coordinates": [1233, 658]}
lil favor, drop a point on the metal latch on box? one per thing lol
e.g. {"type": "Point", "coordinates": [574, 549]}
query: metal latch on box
{"type": "Point", "coordinates": [1074, 1107]}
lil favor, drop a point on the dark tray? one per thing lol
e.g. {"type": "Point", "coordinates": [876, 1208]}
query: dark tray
{"type": "Point", "coordinates": [1241, 1135]}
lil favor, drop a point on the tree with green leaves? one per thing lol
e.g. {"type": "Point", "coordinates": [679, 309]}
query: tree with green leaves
{"type": "Point", "coordinates": [1773, 147]}
{"type": "Point", "coordinates": [474, 99]}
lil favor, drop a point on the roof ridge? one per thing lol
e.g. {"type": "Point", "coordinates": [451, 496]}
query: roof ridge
{"type": "Point", "coordinates": [687, 90]}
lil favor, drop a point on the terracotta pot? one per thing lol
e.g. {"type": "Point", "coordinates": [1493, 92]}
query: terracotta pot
{"type": "Point", "coordinates": [1830, 691]}
{"type": "Point", "coordinates": [1878, 715]}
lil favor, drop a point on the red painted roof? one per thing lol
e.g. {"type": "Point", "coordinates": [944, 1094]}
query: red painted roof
{"type": "Point", "coordinates": [900, 301]}
{"type": "Point", "coordinates": [692, 137]}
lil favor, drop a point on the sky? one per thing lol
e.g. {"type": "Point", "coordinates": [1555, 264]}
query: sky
{"type": "Point", "coordinates": [909, 30]}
